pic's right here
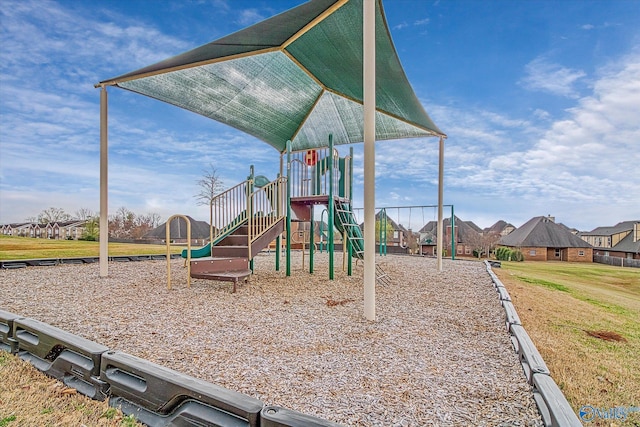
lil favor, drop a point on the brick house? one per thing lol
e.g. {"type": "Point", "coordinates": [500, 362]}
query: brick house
{"type": "Point", "coordinates": [465, 234]}
{"type": "Point", "coordinates": [501, 227]}
{"type": "Point", "coordinates": [622, 240]}
{"type": "Point", "coordinates": [541, 239]}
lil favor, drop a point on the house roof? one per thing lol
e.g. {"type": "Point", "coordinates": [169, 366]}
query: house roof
{"type": "Point", "coordinates": [466, 229]}
{"type": "Point", "coordinates": [627, 245]}
{"type": "Point", "coordinates": [498, 227]}
{"type": "Point", "coordinates": [609, 231]}
{"type": "Point", "coordinates": [541, 231]}
{"type": "Point", "coordinates": [390, 222]}
{"type": "Point", "coordinates": [178, 230]}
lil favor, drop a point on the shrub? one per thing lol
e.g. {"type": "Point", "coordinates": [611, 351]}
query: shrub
{"type": "Point", "coordinates": [506, 254]}
{"type": "Point", "coordinates": [516, 255]}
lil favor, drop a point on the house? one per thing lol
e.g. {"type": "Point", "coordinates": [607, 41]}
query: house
{"type": "Point", "coordinates": [501, 227]}
{"type": "Point", "coordinates": [72, 230]}
{"type": "Point", "coordinates": [178, 231]}
{"type": "Point", "coordinates": [541, 239]}
{"type": "Point", "coordinates": [621, 240]}
{"type": "Point", "coordinates": [467, 235]}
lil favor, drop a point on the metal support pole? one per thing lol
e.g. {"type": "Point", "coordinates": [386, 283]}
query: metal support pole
{"type": "Point", "coordinates": [331, 203]}
{"type": "Point", "coordinates": [311, 242]}
{"type": "Point", "coordinates": [440, 201]}
{"type": "Point", "coordinates": [369, 101]}
{"type": "Point", "coordinates": [104, 170]}
{"type": "Point", "coordinates": [278, 202]}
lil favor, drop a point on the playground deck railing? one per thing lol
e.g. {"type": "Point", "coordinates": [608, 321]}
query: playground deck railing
{"type": "Point", "coordinates": [266, 207]}
{"type": "Point", "coordinates": [229, 209]}
{"type": "Point", "coordinates": [310, 173]}
{"type": "Point", "coordinates": [260, 208]}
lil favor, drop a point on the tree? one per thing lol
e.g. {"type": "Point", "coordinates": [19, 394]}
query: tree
{"type": "Point", "coordinates": [121, 223]}
{"type": "Point", "coordinates": [388, 231]}
{"type": "Point", "coordinates": [53, 215]}
{"type": "Point", "coordinates": [210, 186]}
{"type": "Point", "coordinates": [413, 242]}
{"type": "Point", "coordinates": [85, 214]}
{"type": "Point", "coordinates": [482, 244]}
{"type": "Point", "coordinates": [91, 229]}
{"type": "Point", "coordinates": [125, 224]}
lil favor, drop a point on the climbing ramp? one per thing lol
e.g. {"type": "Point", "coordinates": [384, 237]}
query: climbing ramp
{"type": "Point", "coordinates": [345, 222]}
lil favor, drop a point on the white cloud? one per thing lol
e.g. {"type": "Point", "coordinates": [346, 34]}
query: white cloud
{"type": "Point", "coordinates": [250, 17]}
{"type": "Point", "coordinates": [590, 158]}
{"type": "Point", "coordinates": [552, 78]}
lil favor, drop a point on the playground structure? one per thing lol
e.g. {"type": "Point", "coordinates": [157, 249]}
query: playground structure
{"type": "Point", "coordinates": [246, 218]}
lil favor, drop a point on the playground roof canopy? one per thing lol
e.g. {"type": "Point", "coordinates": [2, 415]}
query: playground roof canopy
{"type": "Point", "coordinates": [296, 76]}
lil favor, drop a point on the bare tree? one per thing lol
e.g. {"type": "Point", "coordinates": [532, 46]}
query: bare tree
{"type": "Point", "coordinates": [482, 244]}
{"type": "Point", "coordinates": [210, 186]}
{"type": "Point", "coordinates": [85, 214]}
{"type": "Point", "coordinates": [154, 219]}
{"type": "Point", "coordinates": [412, 241]}
{"type": "Point", "coordinates": [53, 215]}
{"type": "Point", "coordinates": [121, 223]}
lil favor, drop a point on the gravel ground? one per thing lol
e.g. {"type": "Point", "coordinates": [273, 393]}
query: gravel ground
{"type": "Point", "coordinates": [438, 354]}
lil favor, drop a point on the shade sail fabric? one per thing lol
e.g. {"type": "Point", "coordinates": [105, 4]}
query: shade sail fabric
{"type": "Point", "coordinates": [296, 76]}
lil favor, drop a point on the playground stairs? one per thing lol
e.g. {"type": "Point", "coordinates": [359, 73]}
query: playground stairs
{"type": "Point", "coordinates": [236, 244]}
{"type": "Point", "coordinates": [223, 269]}
{"type": "Point", "coordinates": [229, 260]}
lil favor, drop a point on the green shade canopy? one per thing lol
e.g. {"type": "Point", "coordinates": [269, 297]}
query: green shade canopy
{"type": "Point", "coordinates": [296, 76]}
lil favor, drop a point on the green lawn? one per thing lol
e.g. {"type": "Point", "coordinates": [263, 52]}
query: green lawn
{"type": "Point", "coordinates": [585, 320]}
{"type": "Point", "coordinates": [15, 248]}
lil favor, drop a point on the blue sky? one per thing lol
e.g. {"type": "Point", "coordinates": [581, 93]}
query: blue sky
{"type": "Point", "coordinates": [540, 101]}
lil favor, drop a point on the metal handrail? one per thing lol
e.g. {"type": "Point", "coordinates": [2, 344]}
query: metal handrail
{"type": "Point", "coordinates": [259, 208]}
{"type": "Point", "coordinates": [229, 209]}
{"type": "Point", "coordinates": [267, 207]}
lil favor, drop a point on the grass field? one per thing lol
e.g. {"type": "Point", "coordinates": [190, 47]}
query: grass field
{"type": "Point", "coordinates": [585, 321]}
{"type": "Point", "coordinates": [15, 248]}
{"type": "Point", "coordinates": [46, 401]}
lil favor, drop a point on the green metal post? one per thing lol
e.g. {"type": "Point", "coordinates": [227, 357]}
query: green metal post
{"type": "Point", "coordinates": [380, 232]}
{"type": "Point", "coordinates": [311, 242]}
{"type": "Point", "coordinates": [453, 234]}
{"type": "Point", "coordinates": [386, 224]}
{"type": "Point", "coordinates": [350, 204]}
{"type": "Point", "coordinates": [288, 254]}
{"type": "Point", "coordinates": [350, 260]}
{"type": "Point", "coordinates": [350, 174]}
{"type": "Point", "coordinates": [331, 207]}
{"type": "Point", "coordinates": [322, 230]}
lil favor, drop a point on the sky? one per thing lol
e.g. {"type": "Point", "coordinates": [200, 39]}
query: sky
{"type": "Point", "coordinates": [540, 101]}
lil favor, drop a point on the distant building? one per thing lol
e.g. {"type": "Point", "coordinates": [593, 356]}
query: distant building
{"type": "Point", "coordinates": [621, 240]}
{"type": "Point", "coordinates": [178, 231]}
{"type": "Point", "coordinates": [466, 235]}
{"type": "Point", "coordinates": [541, 239]}
{"type": "Point", "coordinates": [501, 227]}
